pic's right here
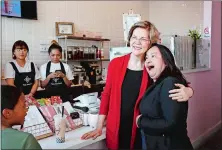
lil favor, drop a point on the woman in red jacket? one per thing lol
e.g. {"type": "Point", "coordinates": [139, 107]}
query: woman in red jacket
{"type": "Point", "coordinates": [127, 81]}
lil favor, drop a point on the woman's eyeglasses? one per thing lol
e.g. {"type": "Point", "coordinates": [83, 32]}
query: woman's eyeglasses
{"type": "Point", "coordinates": [141, 40]}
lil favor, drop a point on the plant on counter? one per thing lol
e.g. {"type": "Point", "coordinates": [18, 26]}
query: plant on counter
{"type": "Point", "coordinates": [194, 34]}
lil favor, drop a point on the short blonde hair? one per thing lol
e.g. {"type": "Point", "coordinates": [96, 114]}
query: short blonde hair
{"type": "Point", "coordinates": [153, 32]}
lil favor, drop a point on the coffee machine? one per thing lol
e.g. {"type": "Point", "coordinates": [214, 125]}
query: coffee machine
{"type": "Point", "coordinates": [90, 72]}
{"type": "Point", "coordinates": [78, 74]}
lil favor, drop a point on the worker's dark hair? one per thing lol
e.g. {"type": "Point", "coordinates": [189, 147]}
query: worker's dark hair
{"type": "Point", "coordinates": [54, 45]}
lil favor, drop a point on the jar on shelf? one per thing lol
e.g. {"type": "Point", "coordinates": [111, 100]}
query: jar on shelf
{"type": "Point", "coordinates": [101, 53]}
{"type": "Point", "coordinates": [98, 55]}
{"type": "Point", "coordinates": [74, 52]}
{"type": "Point", "coordinates": [81, 52]}
{"type": "Point", "coordinates": [69, 53]}
{"type": "Point", "coordinates": [90, 53]}
{"type": "Point", "coordinates": [86, 53]}
{"type": "Point", "coordinates": [93, 52]}
{"type": "Point", "coordinates": [96, 52]}
{"type": "Point", "coordinates": [77, 53]}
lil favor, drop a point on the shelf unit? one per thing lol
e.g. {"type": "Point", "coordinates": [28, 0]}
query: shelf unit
{"type": "Point", "coordinates": [83, 38]}
{"type": "Point", "coordinates": [100, 40]}
{"type": "Point", "coordinates": [87, 60]}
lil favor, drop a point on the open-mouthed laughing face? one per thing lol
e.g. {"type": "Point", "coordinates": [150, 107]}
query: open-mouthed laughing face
{"type": "Point", "coordinates": [154, 63]}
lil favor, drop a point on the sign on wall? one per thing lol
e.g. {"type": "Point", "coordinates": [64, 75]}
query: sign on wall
{"type": "Point", "coordinates": [129, 19]}
{"type": "Point", "coordinates": [207, 18]}
{"type": "Point", "coordinates": [206, 32]}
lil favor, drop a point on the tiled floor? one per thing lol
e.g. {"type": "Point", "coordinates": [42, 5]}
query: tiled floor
{"type": "Point", "coordinates": [214, 143]}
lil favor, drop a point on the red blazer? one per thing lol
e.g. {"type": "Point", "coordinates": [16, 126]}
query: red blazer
{"type": "Point", "coordinates": [111, 100]}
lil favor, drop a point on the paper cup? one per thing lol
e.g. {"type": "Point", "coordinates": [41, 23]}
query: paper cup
{"type": "Point", "coordinates": [92, 120]}
{"type": "Point", "coordinates": [85, 119]}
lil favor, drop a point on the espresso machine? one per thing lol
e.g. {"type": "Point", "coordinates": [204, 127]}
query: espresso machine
{"type": "Point", "coordinates": [78, 74]}
{"type": "Point", "coordinates": [90, 72]}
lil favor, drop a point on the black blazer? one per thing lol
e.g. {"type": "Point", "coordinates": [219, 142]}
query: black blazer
{"type": "Point", "coordinates": [163, 120]}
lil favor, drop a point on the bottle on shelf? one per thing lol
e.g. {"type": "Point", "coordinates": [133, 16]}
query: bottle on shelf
{"type": "Point", "coordinates": [63, 55]}
{"type": "Point", "coordinates": [74, 51]}
{"type": "Point", "coordinates": [81, 53]}
{"type": "Point", "coordinates": [86, 53]}
{"type": "Point", "coordinates": [90, 53]}
{"type": "Point", "coordinates": [98, 55]}
{"type": "Point", "coordinates": [69, 56]}
{"type": "Point", "coordinates": [77, 52]}
{"type": "Point", "coordinates": [102, 53]}
{"type": "Point", "coordinates": [93, 52]}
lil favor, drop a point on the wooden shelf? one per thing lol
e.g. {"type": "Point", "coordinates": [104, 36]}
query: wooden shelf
{"type": "Point", "coordinates": [88, 60]}
{"type": "Point", "coordinates": [79, 71]}
{"type": "Point", "coordinates": [83, 38]}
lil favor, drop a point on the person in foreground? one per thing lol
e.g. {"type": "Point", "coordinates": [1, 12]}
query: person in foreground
{"type": "Point", "coordinates": [163, 121]}
{"type": "Point", "coordinates": [13, 113]}
{"type": "Point", "coordinates": [127, 81]}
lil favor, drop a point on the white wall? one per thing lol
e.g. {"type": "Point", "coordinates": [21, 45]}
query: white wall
{"type": "Point", "coordinates": [176, 17]}
{"type": "Point", "coordinates": [105, 17]}
{"type": "Point", "coordinates": [95, 16]}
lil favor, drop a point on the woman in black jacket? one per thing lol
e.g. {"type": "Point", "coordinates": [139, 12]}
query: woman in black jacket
{"type": "Point", "coordinates": [163, 121]}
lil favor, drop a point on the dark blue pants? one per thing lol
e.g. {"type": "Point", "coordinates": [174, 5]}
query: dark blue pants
{"type": "Point", "coordinates": [143, 140]}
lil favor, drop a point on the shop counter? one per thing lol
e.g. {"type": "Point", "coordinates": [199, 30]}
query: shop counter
{"type": "Point", "coordinates": [73, 91]}
{"type": "Point", "coordinates": [73, 140]}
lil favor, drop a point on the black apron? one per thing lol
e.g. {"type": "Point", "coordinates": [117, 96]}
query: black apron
{"type": "Point", "coordinates": [24, 80]}
{"type": "Point", "coordinates": [56, 86]}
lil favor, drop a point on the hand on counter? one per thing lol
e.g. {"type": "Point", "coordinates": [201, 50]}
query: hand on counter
{"type": "Point", "coordinates": [98, 131]}
{"type": "Point", "coordinates": [92, 134]}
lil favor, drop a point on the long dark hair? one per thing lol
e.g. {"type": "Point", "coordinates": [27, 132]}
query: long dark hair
{"type": "Point", "coordinates": [10, 96]}
{"type": "Point", "coordinates": [171, 68]}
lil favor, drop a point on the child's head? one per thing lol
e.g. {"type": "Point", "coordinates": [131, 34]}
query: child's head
{"type": "Point", "coordinates": [13, 106]}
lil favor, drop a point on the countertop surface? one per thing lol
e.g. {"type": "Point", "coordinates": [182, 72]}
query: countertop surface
{"type": "Point", "coordinates": [76, 85]}
{"type": "Point", "coordinates": [73, 139]}
{"type": "Point", "coordinates": [41, 89]}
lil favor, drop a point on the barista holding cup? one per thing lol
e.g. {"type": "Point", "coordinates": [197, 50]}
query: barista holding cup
{"type": "Point", "coordinates": [56, 76]}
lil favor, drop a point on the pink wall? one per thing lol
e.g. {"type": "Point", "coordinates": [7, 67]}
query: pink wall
{"type": "Point", "coordinates": [205, 106]}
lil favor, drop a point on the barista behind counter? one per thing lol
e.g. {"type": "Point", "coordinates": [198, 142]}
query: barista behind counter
{"type": "Point", "coordinates": [56, 76]}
